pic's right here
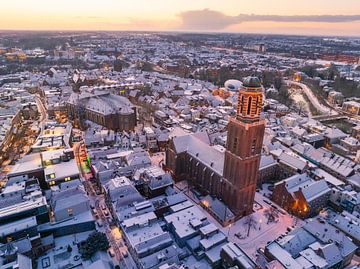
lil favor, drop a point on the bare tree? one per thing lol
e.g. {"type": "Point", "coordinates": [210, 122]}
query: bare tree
{"type": "Point", "coordinates": [271, 214]}
{"type": "Point", "coordinates": [301, 106]}
{"type": "Point", "coordinates": [250, 222]}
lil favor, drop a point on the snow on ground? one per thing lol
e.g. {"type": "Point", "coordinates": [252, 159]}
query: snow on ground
{"type": "Point", "coordinates": [298, 98]}
{"type": "Point", "coordinates": [265, 189]}
{"type": "Point", "coordinates": [261, 233]}
{"type": "Point", "coordinates": [158, 158]}
{"type": "Point", "coordinates": [313, 99]}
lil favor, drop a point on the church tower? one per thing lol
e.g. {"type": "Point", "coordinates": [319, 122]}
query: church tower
{"type": "Point", "coordinates": [243, 149]}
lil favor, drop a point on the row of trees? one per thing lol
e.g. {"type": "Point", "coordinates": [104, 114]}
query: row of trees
{"type": "Point", "coordinates": [312, 71]}
{"type": "Point", "coordinates": [224, 73]}
{"type": "Point", "coordinates": [348, 88]}
{"type": "Point", "coordinates": [282, 95]}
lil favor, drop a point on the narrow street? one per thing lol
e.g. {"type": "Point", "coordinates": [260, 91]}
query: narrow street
{"type": "Point", "coordinates": [42, 110]}
{"type": "Point", "coordinates": [101, 213]}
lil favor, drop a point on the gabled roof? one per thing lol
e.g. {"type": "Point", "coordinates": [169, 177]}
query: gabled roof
{"type": "Point", "coordinates": [330, 253]}
{"type": "Point", "coordinates": [315, 190]}
{"type": "Point", "coordinates": [182, 142]}
{"type": "Point", "coordinates": [334, 133]}
{"type": "Point", "coordinates": [63, 195]}
{"type": "Point", "coordinates": [295, 182]}
{"type": "Point", "coordinates": [266, 161]}
{"type": "Point", "coordinates": [296, 241]}
{"type": "Point", "coordinates": [292, 161]}
{"type": "Point", "coordinates": [326, 233]}
{"type": "Point", "coordinates": [208, 155]}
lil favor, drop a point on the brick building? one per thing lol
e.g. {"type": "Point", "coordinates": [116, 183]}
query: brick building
{"type": "Point", "coordinates": [301, 195]}
{"type": "Point", "coordinates": [232, 176]}
{"type": "Point", "coordinates": [111, 111]}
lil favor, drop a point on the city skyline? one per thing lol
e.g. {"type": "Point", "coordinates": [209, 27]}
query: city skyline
{"type": "Point", "coordinates": [281, 17]}
{"type": "Point", "coordinates": [172, 150]}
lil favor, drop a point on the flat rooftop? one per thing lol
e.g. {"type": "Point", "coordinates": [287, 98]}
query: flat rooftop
{"type": "Point", "coordinates": [23, 206]}
{"type": "Point", "coordinates": [62, 170]}
{"type": "Point", "coordinates": [18, 225]}
{"type": "Point", "coordinates": [139, 220]}
{"type": "Point", "coordinates": [29, 163]}
{"type": "Point", "coordinates": [186, 221]}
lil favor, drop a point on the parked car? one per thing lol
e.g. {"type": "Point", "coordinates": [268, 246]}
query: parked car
{"type": "Point", "coordinates": [266, 201]}
{"type": "Point", "coordinates": [111, 252]}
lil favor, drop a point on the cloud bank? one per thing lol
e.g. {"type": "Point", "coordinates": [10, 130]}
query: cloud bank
{"type": "Point", "coordinates": [207, 19]}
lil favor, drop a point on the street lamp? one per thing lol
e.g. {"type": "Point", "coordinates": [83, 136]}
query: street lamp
{"type": "Point", "coordinates": [229, 230]}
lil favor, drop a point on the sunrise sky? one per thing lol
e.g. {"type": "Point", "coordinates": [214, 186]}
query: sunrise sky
{"type": "Point", "coordinates": [320, 17]}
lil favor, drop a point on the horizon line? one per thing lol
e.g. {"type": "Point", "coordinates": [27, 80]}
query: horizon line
{"type": "Point", "coordinates": [175, 31]}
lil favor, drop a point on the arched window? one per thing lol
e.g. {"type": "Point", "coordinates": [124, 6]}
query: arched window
{"type": "Point", "coordinates": [235, 144]}
{"type": "Point", "coordinates": [242, 104]}
{"type": "Point", "coordinates": [253, 146]}
{"type": "Point", "coordinates": [249, 105]}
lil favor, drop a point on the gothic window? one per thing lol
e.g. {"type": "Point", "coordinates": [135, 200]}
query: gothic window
{"type": "Point", "coordinates": [249, 106]}
{"type": "Point", "coordinates": [242, 104]}
{"type": "Point", "coordinates": [253, 146]}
